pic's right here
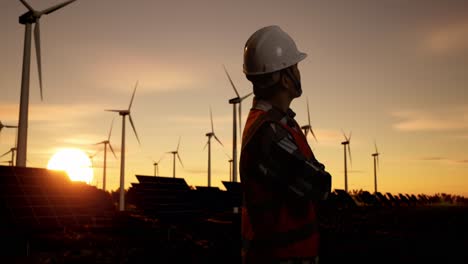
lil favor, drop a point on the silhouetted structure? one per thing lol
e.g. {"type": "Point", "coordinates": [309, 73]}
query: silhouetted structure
{"type": "Point", "coordinates": [38, 199]}
{"type": "Point", "coordinates": [164, 197]}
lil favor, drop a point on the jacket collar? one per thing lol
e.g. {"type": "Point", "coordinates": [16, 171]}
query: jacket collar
{"type": "Point", "coordinates": [267, 106]}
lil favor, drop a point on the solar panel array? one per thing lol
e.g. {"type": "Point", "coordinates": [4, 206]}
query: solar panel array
{"type": "Point", "coordinates": [164, 197]}
{"type": "Point", "coordinates": [172, 198]}
{"type": "Point", "coordinates": [41, 199]}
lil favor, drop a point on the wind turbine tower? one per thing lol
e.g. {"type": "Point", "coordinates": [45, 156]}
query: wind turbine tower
{"type": "Point", "coordinates": [376, 164]}
{"type": "Point", "coordinates": [27, 19]}
{"type": "Point", "coordinates": [125, 113]}
{"type": "Point", "coordinates": [230, 170]}
{"type": "Point", "coordinates": [210, 135]}
{"type": "Point", "coordinates": [235, 101]}
{"type": "Point", "coordinates": [106, 143]}
{"type": "Point", "coordinates": [346, 144]}
{"type": "Point", "coordinates": [156, 166]}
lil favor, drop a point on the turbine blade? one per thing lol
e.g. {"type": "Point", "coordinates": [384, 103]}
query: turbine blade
{"type": "Point", "coordinates": [230, 80]}
{"type": "Point", "coordinates": [245, 96]}
{"type": "Point", "coordinates": [344, 135]}
{"type": "Point", "coordinates": [27, 5]}
{"type": "Point", "coordinates": [313, 134]}
{"type": "Point", "coordinates": [109, 110]}
{"type": "Point", "coordinates": [217, 139]}
{"type": "Point", "coordinates": [110, 146]}
{"type": "Point", "coordinates": [54, 8]}
{"type": "Point", "coordinates": [377, 161]}
{"type": "Point", "coordinates": [349, 153]}
{"type": "Point", "coordinates": [99, 143]}
{"type": "Point", "coordinates": [11, 126]}
{"type": "Point", "coordinates": [6, 153]}
{"type": "Point", "coordinates": [37, 41]}
{"type": "Point", "coordinates": [206, 144]}
{"type": "Point", "coordinates": [133, 96]}
{"type": "Point", "coordinates": [350, 133]}
{"type": "Point", "coordinates": [178, 144]}
{"type": "Point", "coordinates": [110, 131]}
{"type": "Point", "coordinates": [161, 158]}
{"type": "Point", "coordinates": [134, 129]}
{"type": "Point", "coordinates": [211, 118]}
{"type": "Point", "coordinates": [306, 131]}
{"type": "Point", "coordinates": [376, 150]}
{"type": "Point", "coordinates": [180, 160]}
{"type": "Point", "coordinates": [308, 114]}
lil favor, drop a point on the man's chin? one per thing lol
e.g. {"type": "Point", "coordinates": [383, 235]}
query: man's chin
{"type": "Point", "coordinates": [298, 93]}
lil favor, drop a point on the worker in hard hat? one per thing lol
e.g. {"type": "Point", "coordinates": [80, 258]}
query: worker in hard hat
{"type": "Point", "coordinates": [282, 181]}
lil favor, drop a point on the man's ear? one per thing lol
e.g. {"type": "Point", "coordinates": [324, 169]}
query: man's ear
{"type": "Point", "coordinates": [285, 82]}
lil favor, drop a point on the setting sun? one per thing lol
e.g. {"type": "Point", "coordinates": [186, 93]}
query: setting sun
{"type": "Point", "coordinates": [75, 162]}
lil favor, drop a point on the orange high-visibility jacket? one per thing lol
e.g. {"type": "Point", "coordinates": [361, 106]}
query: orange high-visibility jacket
{"type": "Point", "coordinates": [272, 228]}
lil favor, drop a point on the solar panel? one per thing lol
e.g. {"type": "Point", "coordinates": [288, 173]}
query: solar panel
{"type": "Point", "coordinates": [383, 200]}
{"type": "Point", "coordinates": [344, 198]}
{"type": "Point", "coordinates": [37, 198]}
{"type": "Point", "coordinates": [234, 193]}
{"type": "Point", "coordinates": [234, 187]}
{"type": "Point", "coordinates": [166, 198]}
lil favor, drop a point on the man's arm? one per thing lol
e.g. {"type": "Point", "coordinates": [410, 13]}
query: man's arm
{"type": "Point", "coordinates": [280, 162]}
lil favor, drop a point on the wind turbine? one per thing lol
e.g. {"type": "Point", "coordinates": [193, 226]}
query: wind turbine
{"type": "Point", "coordinates": [124, 113]}
{"type": "Point", "coordinates": [6, 126]}
{"type": "Point", "coordinates": [234, 101]}
{"type": "Point", "coordinates": [346, 144]}
{"type": "Point", "coordinates": [106, 143]}
{"type": "Point", "coordinates": [91, 157]}
{"type": "Point", "coordinates": [308, 128]}
{"type": "Point", "coordinates": [376, 164]}
{"type": "Point", "coordinates": [27, 19]}
{"type": "Point", "coordinates": [12, 151]}
{"type": "Point", "coordinates": [210, 135]}
{"type": "Point", "coordinates": [174, 153]}
{"type": "Point", "coordinates": [156, 165]}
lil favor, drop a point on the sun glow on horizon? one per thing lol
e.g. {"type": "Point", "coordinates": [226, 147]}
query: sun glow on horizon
{"type": "Point", "coordinates": [74, 162]}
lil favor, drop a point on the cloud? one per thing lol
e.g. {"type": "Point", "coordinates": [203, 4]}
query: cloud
{"type": "Point", "coordinates": [448, 39]}
{"type": "Point", "coordinates": [444, 160]}
{"type": "Point", "coordinates": [201, 120]}
{"type": "Point", "coordinates": [446, 119]}
{"type": "Point", "coordinates": [126, 70]}
{"type": "Point", "coordinates": [432, 158]}
{"type": "Point", "coordinates": [214, 172]}
{"type": "Point", "coordinates": [354, 171]}
{"type": "Point", "coordinates": [49, 112]}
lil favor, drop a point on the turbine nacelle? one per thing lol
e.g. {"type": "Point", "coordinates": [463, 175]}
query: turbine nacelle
{"type": "Point", "coordinates": [30, 17]}
{"type": "Point", "coordinates": [121, 112]}
{"type": "Point", "coordinates": [235, 100]}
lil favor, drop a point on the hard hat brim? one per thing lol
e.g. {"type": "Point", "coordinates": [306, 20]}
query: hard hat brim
{"type": "Point", "coordinates": [301, 56]}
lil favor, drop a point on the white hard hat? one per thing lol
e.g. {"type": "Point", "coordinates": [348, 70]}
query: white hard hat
{"type": "Point", "coordinates": [270, 49]}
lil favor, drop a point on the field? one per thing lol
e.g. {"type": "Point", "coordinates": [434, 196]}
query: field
{"type": "Point", "coordinates": [360, 235]}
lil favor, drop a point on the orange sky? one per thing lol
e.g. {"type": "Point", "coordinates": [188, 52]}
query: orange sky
{"type": "Point", "coordinates": [393, 71]}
